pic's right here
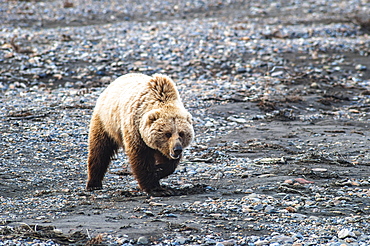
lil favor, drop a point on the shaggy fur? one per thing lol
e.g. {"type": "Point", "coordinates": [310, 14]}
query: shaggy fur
{"type": "Point", "coordinates": [146, 117]}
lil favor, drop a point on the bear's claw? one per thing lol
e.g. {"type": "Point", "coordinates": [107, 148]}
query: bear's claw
{"type": "Point", "coordinates": [90, 186]}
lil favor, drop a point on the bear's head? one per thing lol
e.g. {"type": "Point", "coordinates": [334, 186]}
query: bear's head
{"type": "Point", "coordinates": [167, 131]}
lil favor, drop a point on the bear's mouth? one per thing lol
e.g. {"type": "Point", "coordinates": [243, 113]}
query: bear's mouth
{"type": "Point", "coordinates": [176, 152]}
{"type": "Point", "coordinates": [174, 156]}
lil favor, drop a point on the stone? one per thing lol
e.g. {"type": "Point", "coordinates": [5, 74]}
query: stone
{"type": "Point", "coordinates": [143, 240]}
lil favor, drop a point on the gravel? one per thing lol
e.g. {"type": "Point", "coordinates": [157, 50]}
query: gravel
{"type": "Point", "coordinates": [279, 92]}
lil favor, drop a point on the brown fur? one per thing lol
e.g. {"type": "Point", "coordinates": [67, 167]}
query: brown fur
{"type": "Point", "coordinates": [145, 116]}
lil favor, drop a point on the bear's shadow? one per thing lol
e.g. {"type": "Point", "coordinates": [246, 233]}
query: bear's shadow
{"type": "Point", "coordinates": [193, 190]}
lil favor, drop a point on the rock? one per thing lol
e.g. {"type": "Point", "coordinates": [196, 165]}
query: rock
{"type": "Point", "coordinates": [157, 204]}
{"type": "Point", "coordinates": [106, 79]}
{"type": "Point", "coordinates": [270, 209]}
{"type": "Point", "coordinates": [289, 181]}
{"type": "Point", "coordinates": [297, 244]}
{"type": "Point", "coordinates": [360, 67]}
{"type": "Point", "coordinates": [261, 242]}
{"type": "Point", "coordinates": [277, 74]}
{"type": "Point", "coordinates": [303, 181]}
{"type": "Point", "coordinates": [226, 243]}
{"type": "Point", "coordinates": [208, 124]}
{"type": "Point", "coordinates": [181, 240]}
{"type": "Point", "coordinates": [64, 135]}
{"type": "Point", "coordinates": [318, 169]}
{"type": "Point", "coordinates": [344, 233]}
{"type": "Point", "coordinates": [291, 209]}
{"type": "Point", "coordinates": [101, 73]}
{"type": "Point", "coordinates": [314, 85]}
{"type": "Point", "coordinates": [143, 240]}
{"type": "Point", "coordinates": [241, 70]}
{"type": "Point", "coordinates": [238, 120]}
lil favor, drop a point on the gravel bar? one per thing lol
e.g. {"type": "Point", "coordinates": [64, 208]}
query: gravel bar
{"type": "Point", "coordinates": [279, 92]}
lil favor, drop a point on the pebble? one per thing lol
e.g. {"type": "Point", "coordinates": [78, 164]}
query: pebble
{"type": "Point", "coordinates": [64, 135]}
{"type": "Point", "coordinates": [361, 67]}
{"type": "Point", "coordinates": [262, 242]}
{"type": "Point", "coordinates": [143, 240]}
{"type": "Point", "coordinates": [213, 59]}
{"type": "Point", "coordinates": [345, 232]}
{"type": "Point", "coordinates": [238, 120]}
{"type": "Point", "coordinates": [181, 240]}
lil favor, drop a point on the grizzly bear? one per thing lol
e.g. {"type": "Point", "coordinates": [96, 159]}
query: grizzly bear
{"type": "Point", "coordinates": [144, 115]}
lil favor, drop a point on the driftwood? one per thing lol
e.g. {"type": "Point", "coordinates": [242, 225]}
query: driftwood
{"type": "Point", "coordinates": [17, 48]}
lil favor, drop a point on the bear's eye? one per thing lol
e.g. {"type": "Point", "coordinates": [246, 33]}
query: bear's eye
{"type": "Point", "coordinates": [181, 134]}
{"type": "Point", "coordinates": [168, 134]}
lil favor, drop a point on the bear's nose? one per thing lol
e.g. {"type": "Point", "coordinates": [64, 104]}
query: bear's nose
{"type": "Point", "coordinates": [177, 150]}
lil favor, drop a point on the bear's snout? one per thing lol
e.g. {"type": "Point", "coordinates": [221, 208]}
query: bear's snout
{"type": "Point", "coordinates": [177, 150]}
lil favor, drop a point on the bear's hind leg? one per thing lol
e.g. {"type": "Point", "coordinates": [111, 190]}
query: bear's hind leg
{"type": "Point", "coordinates": [101, 150]}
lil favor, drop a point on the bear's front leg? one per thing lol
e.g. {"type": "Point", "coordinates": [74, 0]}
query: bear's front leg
{"type": "Point", "coordinates": [143, 166]}
{"type": "Point", "coordinates": [101, 150]}
{"type": "Point", "coordinates": [165, 166]}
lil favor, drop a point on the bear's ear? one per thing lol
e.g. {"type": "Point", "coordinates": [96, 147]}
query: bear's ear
{"type": "Point", "coordinates": [152, 116]}
{"type": "Point", "coordinates": [189, 119]}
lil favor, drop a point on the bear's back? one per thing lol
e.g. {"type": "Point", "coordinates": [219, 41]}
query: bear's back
{"type": "Point", "coordinates": [131, 87]}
